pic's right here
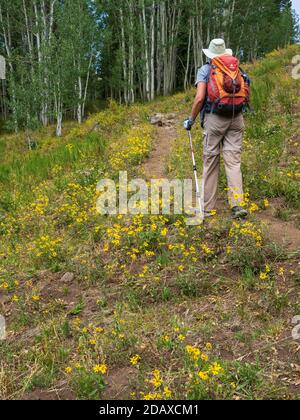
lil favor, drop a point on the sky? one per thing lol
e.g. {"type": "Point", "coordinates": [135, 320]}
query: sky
{"type": "Point", "coordinates": [296, 5]}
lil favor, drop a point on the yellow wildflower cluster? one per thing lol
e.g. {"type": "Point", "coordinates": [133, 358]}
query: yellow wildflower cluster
{"type": "Point", "coordinates": [118, 235]}
{"type": "Point", "coordinates": [247, 229]}
{"type": "Point", "coordinates": [201, 369]}
{"type": "Point", "coordinates": [196, 354]}
{"type": "Point", "coordinates": [104, 120]}
{"type": "Point", "coordinates": [206, 249]}
{"type": "Point", "coordinates": [214, 369]}
{"type": "Point", "coordinates": [265, 275]}
{"type": "Point", "coordinates": [161, 392]}
{"type": "Point", "coordinates": [156, 380]}
{"type": "Point", "coordinates": [56, 170]}
{"type": "Point", "coordinates": [102, 369]}
{"type": "Point", "coordinates": [157, 396]}
{"type": "Point", "coordinates": [253, 208]}
{"type": "Point", "coordinates": [40, 205]}
{"type": "Point", "coordinates": [132, 150]}
{"type": "Point", "coordinates": [46, 247]}
{"type": "Point", "coordinates": [78, 203]}
{"type": "Point", "coordinates": [9, 225]}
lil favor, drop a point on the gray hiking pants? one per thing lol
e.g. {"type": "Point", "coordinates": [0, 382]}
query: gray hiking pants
{"type": "Point", "coordinates": [225, 132]}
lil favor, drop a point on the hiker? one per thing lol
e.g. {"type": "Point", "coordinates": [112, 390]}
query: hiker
{"type": "Point", "coordinates": [222, 97]}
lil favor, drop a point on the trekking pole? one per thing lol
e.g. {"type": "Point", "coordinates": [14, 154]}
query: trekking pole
{"type": "Point", "coordinates": [198, 194]}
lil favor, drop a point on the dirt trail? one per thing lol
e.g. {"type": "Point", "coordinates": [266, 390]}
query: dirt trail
{"type": "Point", "coordinates": [155, 166]}
{"type": "Point", "coordinates": [284, 233]}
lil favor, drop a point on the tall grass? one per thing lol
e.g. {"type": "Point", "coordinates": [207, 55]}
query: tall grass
{"type": "Point", "coordinates": [27, 172]}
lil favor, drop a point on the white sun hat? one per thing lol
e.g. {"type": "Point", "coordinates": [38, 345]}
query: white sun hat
{"type": "Point", "coordinates": [217, 48]}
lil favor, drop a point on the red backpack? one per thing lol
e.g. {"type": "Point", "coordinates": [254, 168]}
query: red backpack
{"type": "Point", "coordinates": [228, 89]}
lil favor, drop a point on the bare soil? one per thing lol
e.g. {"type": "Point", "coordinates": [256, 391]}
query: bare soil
{"type": "Point", "coordinates": [155, 167]}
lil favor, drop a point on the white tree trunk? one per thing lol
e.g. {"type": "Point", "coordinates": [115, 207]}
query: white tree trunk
{"type": "Point", "coordinates": [59, 122]}
{"type": "Point", "coordinates": [123, 45]}
{"type": "Point", "coordinates": [158, 53]}
{"type": "Point", "coordinates": [153, 20]}
{"type": "Point", "coordinates": [87, 85]}
{"type": "Point", "coordinates": [7, 43]}
{"type": "Point", "coordinates": [131, 54]}
{"type": "Point", "coordinates": [186, 77]}
{"type": "Point", "coordinates": [147, 81]}
{"type": "Point", "coordinates": [79, 105]}
{"type": "Point", "coordinates": [58, 110]}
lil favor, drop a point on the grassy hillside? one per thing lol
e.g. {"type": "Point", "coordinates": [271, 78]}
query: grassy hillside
{"type": "Point", "coordinates": [147, 307]}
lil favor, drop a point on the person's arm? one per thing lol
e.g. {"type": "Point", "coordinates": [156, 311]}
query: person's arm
{"type": "Point", "coordinates": [199, 100]}
{"type": "Point", "coordinates": [201, 84]}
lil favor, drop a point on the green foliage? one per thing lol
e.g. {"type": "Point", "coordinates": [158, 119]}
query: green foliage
{"type": "Point", "coordinates": [87, 385]}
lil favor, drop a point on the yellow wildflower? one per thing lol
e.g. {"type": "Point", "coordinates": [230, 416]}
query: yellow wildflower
{"type": "Point", "coordinates": [167, 392]}
{"type": "Point", "coordinates": [164, 232]}
{"type": "Point", "coordinates": [156, 381]}
{"type": "Point", "coordinates": [216, 369]}
{"type": "Point", "coordinates": [135, 360]}
{"type": "Point", "coordinates": [181, 337]}
{"type": "Point", "coordinates": [100, 369]}
{"type": "Point", "coordinates": [203, 375]}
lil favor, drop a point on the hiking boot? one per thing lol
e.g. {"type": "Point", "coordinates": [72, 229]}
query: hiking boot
{"type": "Point", "coordinates": [239, 213]}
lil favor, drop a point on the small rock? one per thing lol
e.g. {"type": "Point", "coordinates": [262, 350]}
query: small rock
{"type": "Point", "coordinates": [67, 278]}
{"type": "Point", "coordinates": [157, 120]}
{"type": "Point", "coordinates": [163, 120]}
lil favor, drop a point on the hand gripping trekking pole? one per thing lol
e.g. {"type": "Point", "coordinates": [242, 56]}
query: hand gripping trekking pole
{"type": "Point", "coordinates": [198, 193]}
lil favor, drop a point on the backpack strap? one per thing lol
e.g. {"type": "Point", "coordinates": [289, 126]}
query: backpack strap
{"type": "Point", "coordinates": [206, 107]}
{"type": "Point", "coordinates": [247, 79]}
{"type": "Point", "coordinates": [210, 107]}
{"type": "Point", "coordinates": [245, 76]}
